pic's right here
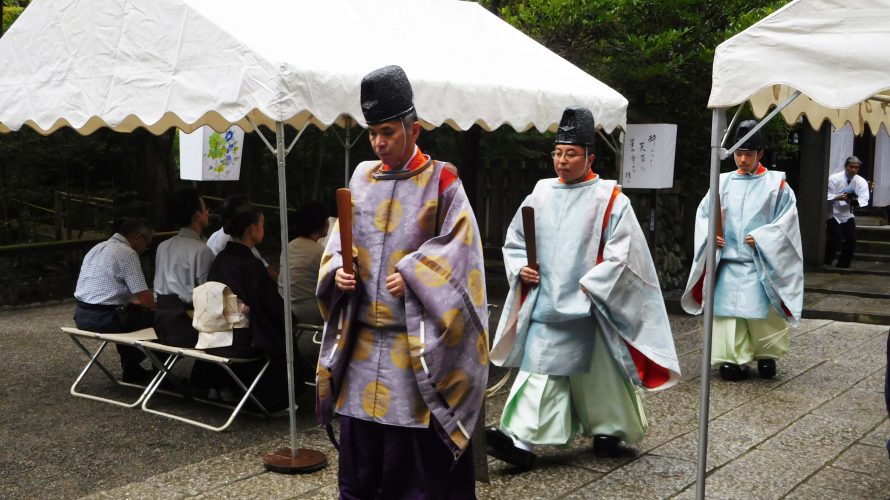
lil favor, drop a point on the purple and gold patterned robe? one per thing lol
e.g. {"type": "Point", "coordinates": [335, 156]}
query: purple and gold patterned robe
{"type": "Point", "coordinates": [399, 361]}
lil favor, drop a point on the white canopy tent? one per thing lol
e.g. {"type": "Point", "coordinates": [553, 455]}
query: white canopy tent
{"type": "Point", "coordinates": [157, 64]}
{"type": "Point", "coordinates": [826, 59]}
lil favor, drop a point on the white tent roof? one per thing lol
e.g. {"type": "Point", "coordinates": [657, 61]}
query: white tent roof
{"type": "Point", "coordinates": [161, 63]}
{"type": "Point", "coordinates": [836, 52]}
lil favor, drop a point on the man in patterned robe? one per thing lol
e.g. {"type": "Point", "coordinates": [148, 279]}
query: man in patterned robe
{"type": "Point", "coordinates": [404, 360]}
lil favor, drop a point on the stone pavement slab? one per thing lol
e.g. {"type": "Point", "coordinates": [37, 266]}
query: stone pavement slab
{"type": "Point", "coordinates": [818, 430]}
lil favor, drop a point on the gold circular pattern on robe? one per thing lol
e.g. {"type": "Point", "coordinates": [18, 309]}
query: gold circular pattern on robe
{"type": "Point", "coordinates": [341, 398]}
{"type": "Point", "coordinates": [482, 348]}
{"type": "Point", "coordinates": [394, 259]}
{"type": "Point", "coordinates": [398, 353]}
{"type": "Point", "coordinates": [388, 215]}
{"type": "Point", "coordinates": [459, 439]}
{"type": "Point", "coordinates": [375, 399]}
{"type": "Point", "coordinates": [379, 314]}
{"type": "Point", "coordinates": [465, 223]}
{"type": "Point", "coordinates": [433, 270]}
{"type": "Point", "coordinates": [453, 327]}
{"type": "Point", "coordinates": [421, 411]}
{"type": "Point", "coordinates": [364, 345]}
{"type": "Point", "coordinates": [426, 217]}
{"type": "Point", "coordinates": [423, 179]}
{"type": "Point", "coordinates": [475, 287]}
{"type": "Point", "coordinates": [364, 263]}
{"type": "Point", "coordinates": [323, 382]}
{"type": "Point", "coordinates": [454, 387]}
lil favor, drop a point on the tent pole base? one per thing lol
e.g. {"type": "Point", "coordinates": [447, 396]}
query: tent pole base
{"type": "Point", "coordinates": [304, 461]}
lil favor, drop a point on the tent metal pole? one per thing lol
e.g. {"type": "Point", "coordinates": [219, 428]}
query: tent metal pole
{"type": "Point", "coordinates": [718, 122]}
{"type": "Point", "coordinates": [766, 119]}
{"type": "Point", "coordinates": [281, 153]}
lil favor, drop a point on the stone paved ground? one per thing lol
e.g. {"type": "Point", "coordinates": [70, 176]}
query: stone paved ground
{"type": "Point", "coordinates": [816, 431]}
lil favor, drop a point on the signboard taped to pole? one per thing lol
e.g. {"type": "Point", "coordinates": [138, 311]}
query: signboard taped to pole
{"type": "Point", "coordinates": [648, 156]}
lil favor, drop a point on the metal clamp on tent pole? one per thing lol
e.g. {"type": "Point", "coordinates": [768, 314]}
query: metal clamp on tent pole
{"type": "Point", "coordinates": [724, 153]}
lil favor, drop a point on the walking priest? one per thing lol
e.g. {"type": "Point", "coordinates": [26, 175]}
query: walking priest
{"type": "Point", "coordinates": [588, 328]}
{"type": "Point", "coordinates": [759, 282]}
{"type": "Point", "coordinates": [404, 360]}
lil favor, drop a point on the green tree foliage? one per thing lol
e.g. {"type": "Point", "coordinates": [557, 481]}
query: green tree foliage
{"type": "Point", "coordinates": [659, 55]}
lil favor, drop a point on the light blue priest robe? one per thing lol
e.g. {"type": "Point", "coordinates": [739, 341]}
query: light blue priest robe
{"type": "Point", "coordinates": [596, 273]}
{"type": "Point", "coordinates": [751, 280]}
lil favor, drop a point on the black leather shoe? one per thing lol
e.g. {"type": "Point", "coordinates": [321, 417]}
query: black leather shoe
{"type": "Point", "coordinates": [500, 446]}
{"type": "Point", "coordinates": [766, 368]}
{"type": "Point", "coordinates": [732, 372]}
{"type": "Point", "coordinates": [610, 447]}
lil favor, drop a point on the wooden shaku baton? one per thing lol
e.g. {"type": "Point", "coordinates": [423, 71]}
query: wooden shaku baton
{"type": "Point", "coordinates": [344, 214]}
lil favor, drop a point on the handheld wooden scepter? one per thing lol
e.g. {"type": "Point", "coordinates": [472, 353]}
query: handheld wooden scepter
{"type": "Point", "coordinates": [719, 231]}
{"type": "Point", "coordinates": [344, 214]}
{"type": "Point", "coordinates": [528, 227]}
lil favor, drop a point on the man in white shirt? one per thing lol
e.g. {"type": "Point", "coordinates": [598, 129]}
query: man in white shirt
{"type": "Point", "coordinates": [182, 263]}
{"type": "Point", "coordinates": [846, 192]}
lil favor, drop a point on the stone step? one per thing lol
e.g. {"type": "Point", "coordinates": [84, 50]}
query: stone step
{"type": "Point", "coordinates": [869, 284]}
{"type": "Point", "coordinates": [872, 247]}
{"type": "Point", "coordinates": [867, 259]}
{"type": "Point", "coordinates": [872, 233]}
{"type": "Point", "coordinates": [845, 307]}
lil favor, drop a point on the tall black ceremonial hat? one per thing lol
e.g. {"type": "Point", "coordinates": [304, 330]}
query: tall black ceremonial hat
{"type": "Point", "coordinates": [386, 95]}
{"type": "Point", "coordinates": [754, 142]}
{"type": "Point", "coordinates": [576, 127]}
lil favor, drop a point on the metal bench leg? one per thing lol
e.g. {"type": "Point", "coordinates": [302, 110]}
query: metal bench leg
{"type": "Point", "coordinates": [237, 409]}
{"type": "Point", "coordinates": [94, 361]}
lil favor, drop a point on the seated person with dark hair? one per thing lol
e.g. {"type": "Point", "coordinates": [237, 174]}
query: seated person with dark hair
{"type": "Point", "coordinates": [110, 278]}
{"type": "Point", "coordinates": [237, 268]}
{"type": "Point", "coordinates": [304, 255]}
{"type": "Point", "coordinates": [217, 241]}
{"type": "Point", "coordinates": [182, 263]}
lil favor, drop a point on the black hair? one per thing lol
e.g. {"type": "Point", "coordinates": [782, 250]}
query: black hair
{"type": "Point", "coordinates": [310, 218]}
{"type": "Point", "coordinates": [231, 207]}
{"type": "Point", "coordinates": [240, 221]}
{"type": "Point", "coordinates": [184, 203]}
{"type": "Point", "coordinates": [132, 227]}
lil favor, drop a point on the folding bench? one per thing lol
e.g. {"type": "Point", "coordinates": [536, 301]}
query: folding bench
{"type": "Point", "coordinates": [176, 354]}
{"type": "Point", "coordinates": [130, 339]}
{"type": "Point", "coordinates": [299, 330]}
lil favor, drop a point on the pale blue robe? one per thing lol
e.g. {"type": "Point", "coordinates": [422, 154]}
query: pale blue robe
{"type": "Point", "coordinates": [580, 304]}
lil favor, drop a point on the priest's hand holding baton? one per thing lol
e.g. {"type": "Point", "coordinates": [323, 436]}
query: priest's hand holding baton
{"type": "Point", "coordinates": [529, 274]}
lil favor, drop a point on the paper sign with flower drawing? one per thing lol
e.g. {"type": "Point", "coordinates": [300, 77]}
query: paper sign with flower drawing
{"type": "Point", "coordinates": [208, 155]}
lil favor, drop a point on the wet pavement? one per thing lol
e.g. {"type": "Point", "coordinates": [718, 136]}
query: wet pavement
{"type": "Point", "coordinates": [818, 430]}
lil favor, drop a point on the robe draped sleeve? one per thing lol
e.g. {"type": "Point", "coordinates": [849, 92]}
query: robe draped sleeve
{"type": "Point", "coordinates": [693, 295]}
{"type": "Point", "coordinates": [509, 344]}
{"type": "Point", "coordinates": [338, 310]}
{"type": "Point", "coordinates": [447, 319]}
{"type": "Point", "coordinates": [779, 258]}
{"type": "Point", "coordinates": [628, 304]}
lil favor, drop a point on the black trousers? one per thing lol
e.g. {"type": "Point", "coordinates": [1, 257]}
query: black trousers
{"type": "Point", "coordinates": [840, 237]}
{"type": "Point", "coordinates": [172, 322]}
{"type": "Point", "coordinates": [103, 319]}
{"type": "Point", "coordinates": [389, 462]}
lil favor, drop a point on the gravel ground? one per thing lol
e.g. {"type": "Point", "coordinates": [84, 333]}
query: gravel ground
{"type": "Point", "coordinates": [56, 445]}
